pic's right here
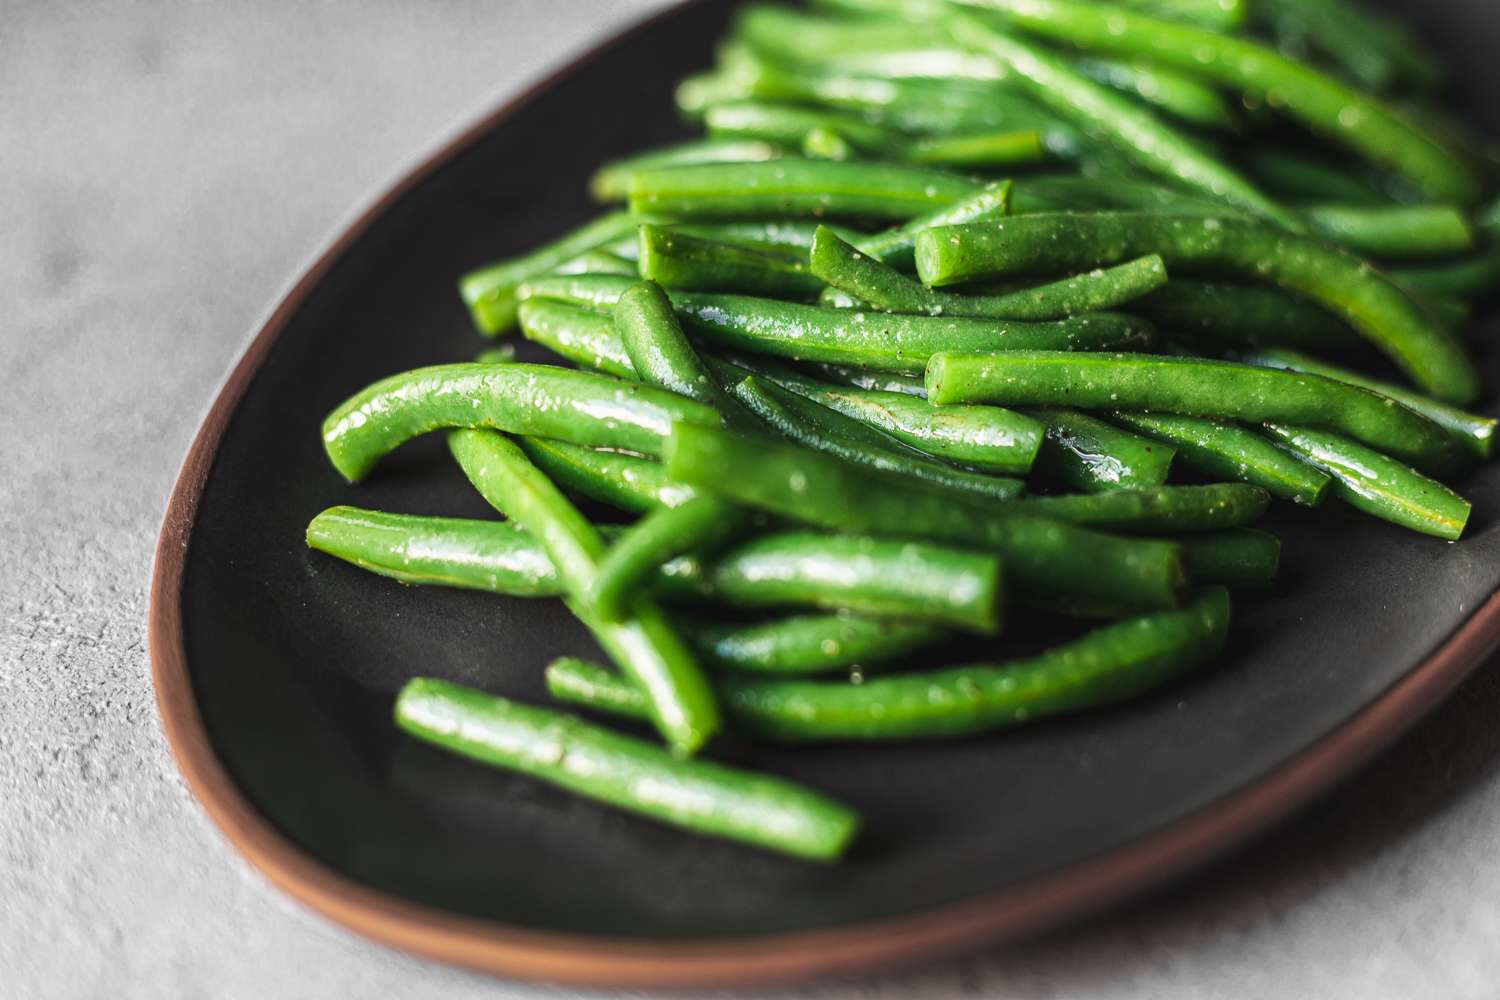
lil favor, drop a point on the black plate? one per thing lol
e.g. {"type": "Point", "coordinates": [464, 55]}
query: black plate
{"type": "Point", "coordinates": [287, 660]}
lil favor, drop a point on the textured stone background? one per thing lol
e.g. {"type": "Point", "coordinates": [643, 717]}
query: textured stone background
{"type": "Point", "coordinates": [165, 170]}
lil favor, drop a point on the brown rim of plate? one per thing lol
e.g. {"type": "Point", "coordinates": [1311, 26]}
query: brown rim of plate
{"type": "Point", "coordinates": [776, 958]}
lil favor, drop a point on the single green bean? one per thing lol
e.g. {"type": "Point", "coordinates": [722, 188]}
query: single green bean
{"type": "Point", "coordinates": [1089, 454]}
{"type": "Point", "coordinates": [765, 234]}
{"type": "Point", "coordinates": [811, 644]}
{"type": "Point", "coordinates": [1218, 315]}
{"type": "Point", "coordinates": [789, 124]}
{"type": "Point", "coordinates": [1321, 103]}
{"type": "Point", "coordinates": [894, 578]}
{"type": "Point", "coordinates": [796, 187]}
{"type": "Point", "coordinates": [883, 287]}
{"type": "Point", "coordinates": [1393, 230]}
{"type": "Point", "coordinates": [681, 261]}
{"type": "Point", "coordinates": [1343, 283]}
{"type": "Point", "coordinates": [1192, 386]}
{"type": "Point", "coordinates": [1108, 665]}
{"type": "Point", "coordinates": [661, 355]}
{"type": "Point", "coordinates": [977, 150]}
{"type": "Point", "coordinates": [489, 292]}
{"type": "Point", "coordinates": [611, 181]}
{"type": "Point", "coordinates": [644, 645]}
{"type": "Point", "coordinates": [826, 430]}
{"type": "Point", "coordinates": [1474, 431]}
{"type": "Point", "coordinates": [1229, 451]}
{"type": "Point", "coordinates": [1244, 558]}
{"type": "Point", "coordinates": [628, 482]}
{"type": "Point", "coordinates": [1377, 484]}
{"type": "Point", "coordinates": [582, 336]}
{"type": "Point", "coordinates": [626, 773]}
{"type": "Point", "coordinates": [1164, 509]}
{"type": "Point", "coordinates": [1040, 553]}
{"type": "Point", "coordinates": [541, 400]}
{"type": "Point", "coordinates": [1134, 130]}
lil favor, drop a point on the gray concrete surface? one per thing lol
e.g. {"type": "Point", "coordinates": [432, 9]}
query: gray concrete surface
{"type": "Point", "coordinates": [165, 169]}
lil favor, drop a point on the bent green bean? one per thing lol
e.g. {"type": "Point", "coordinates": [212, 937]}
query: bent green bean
{"type": "Point", "coordinates": [1039, 552]}
{"type": "Point", "coordinates": [1192, 386]}
{"type": "Point", "coordinates": [1228, 451]}
{"type": "Point", "coordinates": [628, 482]}
{"type": "Point", "coordinates": [1377, 484]}
{"type": "Point", "coordinates": [1346, 285]}
{"type": "Point", "coordinates": [1107, 665]}
{"type": "Point", "coordinates": [644, 645]}
{"type": "Point", "coordinates": [541, 400]}
{"type": "Point", "coordinates": [626, 773]}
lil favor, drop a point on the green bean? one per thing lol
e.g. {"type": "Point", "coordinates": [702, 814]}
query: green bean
{"type": "Point", "coordinates": [628, 482]}
{"type": "Point", "coordinates": [1192, 386]}
{"type": "Point", "coordinates": [826, 430]}
{"type": "Point", "coordinates": [1222, 15]}
{"type": "Point", "coordinates": [680, 261]}
{"type": "Point", "coordinates": [1394, 230]}
{"type": "Point", "coordinates": [765, 234]}
{"type": "Point", "coordinates": [1218, 315]}
{"type": "Point", "coordinates": [1176, 94]}
{"type": "Point", "coordinates": [1470, 277]}
{"type": "Point", "coordinates": [984, 437]}
{"type": "Point", "coordinates": [661, 355]}
{"type": "Point", "coordinates": [977, 150]}
{"type": "Point", "coordinates": [1343, 283]}
{"type": "Point", "coordinates": [894, 246]}
{"type": "Point", "coordinates": [1377, 484]}
{"type": "Point", "coordinates": [543, 400]}
{"type": "Point", "coordinates": [1089, 454]}
{"type": "Point", "coordinates": [1224, 450]}
{"type": "Point", "coordinates": [627, 773]}
{"type": "Point", "coordinates": [1164, 509]}
{"type": "Point", "coordinates": [1243, 558]}
{"type": "Point", "coordinates": [490, 291]}
{"type": "Point", "coordinates": [1136, 131]}
{"type": "Point", "coordinates": [1107, 665]}
{"type": "Point", "coordinates": [582, 336]}
{"type": "Point", "coordinates": [1320, 102]}
{"type": "Point", "coordinates": [811, 644]}
{"type": "Point", "coordinates": [643, 645]}
{"type": "Point", "coordinates": [894, 578]}
{"type": "Point", "coordinates": [611, 181]}
{"type": "Point", "coordinates": [1474, 431]}
{"type": "Point", "coordinates": [788, 125]}
{"type": "Point", "coordinates": [798, 36]}
{"type": "Point", "coordinates": [599, 292]}
{"type": "Point", "coordinates": [597, 262]}
{"type": "Point", "coordinates": [796, 187]}
{"type": "Point", "coordinates": [883, 287]}
{"type": "Point", "coordinates": [1039, 553]}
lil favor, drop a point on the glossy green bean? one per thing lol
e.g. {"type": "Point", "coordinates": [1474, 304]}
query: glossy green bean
{"type": "Point", "coordinates": [766, 234]}
{"type": "Point", "coordinates": [1475, 431]}
{"type": "Point", "coordinates": [894, 246]}
{"type": "Point", "coordinates": [1218, 316]}
{"type": "Point", "coordinates": [1162, 510]}
{"type": "Point", "coordinates": [826, 430]}
{"type": "Point", "coordinates": [1393, 230]}
{"type": "Point", "coordinates": [894, 578]}
{"type": "Point", "coordinates": [789, 124]}
{"type": "Point", "coordinates": [644, 645]}
{"type": "Point", "coordinates": [684, 262]}
{"type": "Point", "coordinates": [796, 187]}
{"type": "Point", "coordinates": [611, 181]}
{"type": "Point", "coordinates": [1088, 454]}
{"type": "Point", "coordinates": [977, 150]}
{"type": "Point", "coordinates": [489, 292]}
{"type": "Point", "coordinates": [802, 485]}
{"type": "Point", "coordinates": [628, 482]}
{"type": "Point", "coordinates": [1377, 484]}
{"type": "Point", "coordinates": [1136, 132]}
{"type": "Point", "coordinates": [627, 773]}
{"type": "Point", "coordinates": [660, 353]}
{"type": "Point", "coordinates": [983, 437]}
{"type": "Point", "coordinates": [583, 336]}
{"type": "Point", "coordinates": [541, 400]}
{"type": "Point", "coordinates": [883, 287]}
{"type": "Point", "coordinates": [1191, 386]}
{"type": "Point", "coordinates": [1323, 104]}
{"type": "Point", "coordinates": [1346, 285]}
{"type": "Point", "coordinates": [1242, 559]}
{"type": "Point", "coordinates": [1109, 664]}
{"type": "Point", "coordinates": [1228, 451]}
{"type": "Point", "coordinates": [812, 644]}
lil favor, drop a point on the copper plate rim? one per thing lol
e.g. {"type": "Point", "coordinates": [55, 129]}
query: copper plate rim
{"type": "Point", "coordinates": [778, 958]}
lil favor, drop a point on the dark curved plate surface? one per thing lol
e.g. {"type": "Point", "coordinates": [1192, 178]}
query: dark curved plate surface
{"type": "Point", "coordinates": [275, 667]}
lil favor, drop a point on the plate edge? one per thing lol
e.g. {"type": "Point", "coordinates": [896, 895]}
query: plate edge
{"type": "Point", "coordinates": [740, 962]}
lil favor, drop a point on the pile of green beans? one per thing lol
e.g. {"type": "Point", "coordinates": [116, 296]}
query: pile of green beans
{"type": "Point", "coordinates": [955, 309]}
